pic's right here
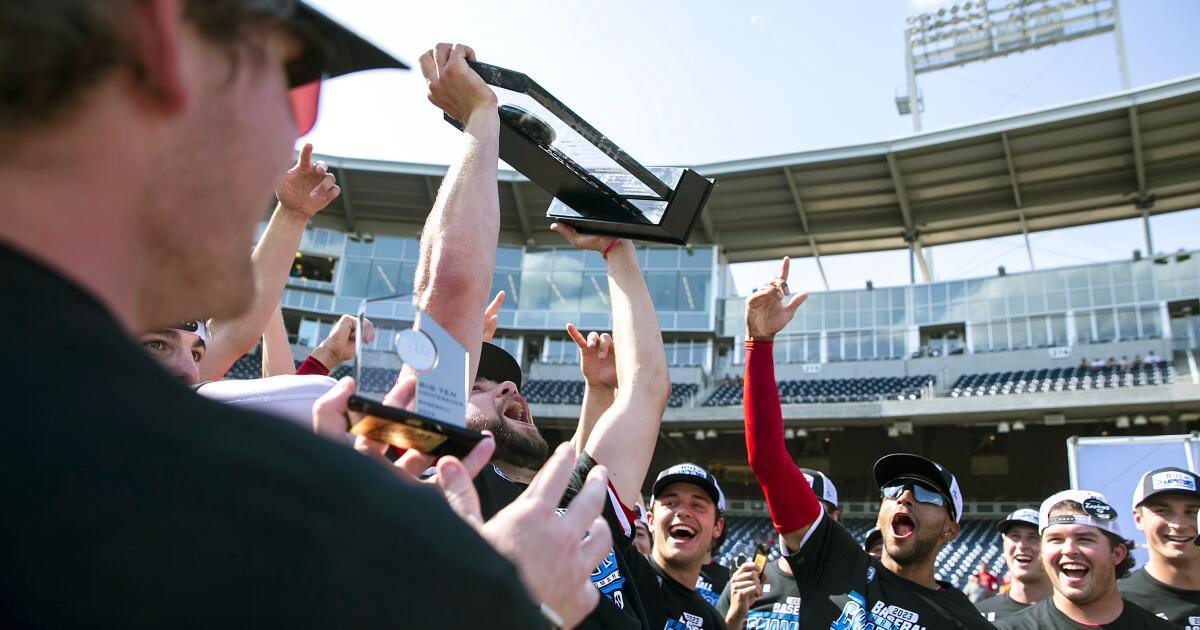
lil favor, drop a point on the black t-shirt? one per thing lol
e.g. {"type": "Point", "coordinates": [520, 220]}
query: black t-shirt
{"type": "Point", "coordinates": [669, 604]}
{"type": "Point", "coordinates": [713, 578]}
{"type": "Point", "coordinates": [132, 502]}
{"type": "Point", "coordinates": [843, 587]}
{"type": "Point", "coordinates": [1044, 616]}
{"type": "Point", "coordinates": [1179, 606]}
{"type": "Point", "coordinates": [999, 607]}
{"type": "Point", "coordinates": [779, 606]}
{"type": "Point", "coordinates": [620, 606]}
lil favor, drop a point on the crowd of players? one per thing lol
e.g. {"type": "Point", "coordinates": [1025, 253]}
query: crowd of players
{"type": "Point", "coordinates": [142, 137]}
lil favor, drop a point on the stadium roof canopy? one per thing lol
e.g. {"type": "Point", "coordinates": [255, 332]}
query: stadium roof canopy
{"type": "Point", "coordinates": [1104, 159]}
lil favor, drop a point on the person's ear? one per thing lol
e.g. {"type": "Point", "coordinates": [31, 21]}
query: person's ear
{"type": "Point", "coordinates": [1118, 553]}
{"type": "Point", "coordinates": [719, 527]}
{"type": "Point", "coordinates": [951, 531]}
{"type": "Point", "coordinates": [155, 35]}
{"type": "Point", "coordinates": [1137, 518]}
{"type": "Point", "coordinates": [836, 515]}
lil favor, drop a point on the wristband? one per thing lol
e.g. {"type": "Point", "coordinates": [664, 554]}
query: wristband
{"type": "Point", "coordinates": [553, 619]}
{"type": "Point", "coordinates": [608, 248]}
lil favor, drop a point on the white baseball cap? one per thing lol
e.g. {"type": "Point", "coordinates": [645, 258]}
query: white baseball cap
{"type": "Point", "coordinates": [821, 486]}
{"type": "Point", "coordinates": [1099, 513]}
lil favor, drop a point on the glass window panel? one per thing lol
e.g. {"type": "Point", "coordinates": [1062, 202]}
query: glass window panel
{"type": "Point", "coordinates": [896, 297]}
{"type": "Point", "coordinates": [921, 295]}
{"type": "Point", "coordinates": [1150, 321]}
{"type": "Point", "coordinates": [938, 293]}
{"type": "Point", "coordinates": [999, 332]}
{"type": "Point", "coordinates": [383, 279]}
{"type": "Point", "coordinates": [1106, 327]}
{"type": "Point", "coordinates": [1080, 298]}
{"type": "Point", "coordinates": [955, 291]}
{"type": "Point", "coordinates": [693, 291]}
{"type": "Point", "coordinates": [850, 319]}
{"type": "Point", "coordinates": [354, 278]}
{"type": "Point", "coordinates": [997, 307]}
{"type": "Point", "coordinates": [1058, 330]}
{"type": "Point", "coordinates": [1098, 275]}
{"type": "Point", "coordinates": [538, 259]}
{"type": "Point", "coordinates": [388, 247]}
{"type": "Point", "coordinates": [1083, 327]}
{"type": "Point", "coordinates": [1124, 294]}
{"type": "Point", "coordinates": [592, 260]}
{"type": "Point", "coordinates": [662, 290]}
{"type": "Point", "coordinates": [663, 258]}
{"type": "Point", "coordinates": [535, 291]}
{"type": "Point", "coordinates": [510, 282]}
{"type": "Point", "coordinates": [359, 248]}
{"type": "Point", "coordinates": [408, 273]}
{"type": "Point", "coordinates": [1016, 305]}
{"type": "Point", "coordinates": [1142, 271]}
{"type": "Point", "coordinates": [1077, 278]}
{"type": "Point", "coordinates": [833, 320]}
{"type": "Point", "coordinates": [1020, 333]}
{"type": "Point", "coordinates": [1056, 301]}
{"type": "Point", "coordinates": [1127, 326]}
{"type": "Point", "coordinates": [833, 346]}
{"type": "Point", "coordinates": [938, 313]}
{"type": "Point", "coordinates": [866, 346]}
{"type": "Point", "coordinates": [882, 318]}
{"type": "Point", "coordinates": [864, 300]}
{"type": "Point", "coordinates": [593, 292]}
{"type": "Point", "coordinates": [1121, 274]}
{"type": "Point", "coordinates": [1037, 332]}
{"type": "Point", "coordinates": [979, 337]}
{"type": "Point", "coordinates": [812, 349]}
{"type": "Point", "coordinates": [1036, 302]}
{"type": "Point", "coordinates": [898, 317]}
{"type": "Point", "coordinates": [509, 257]}
{"type": "Point", "coordinates": [697, 258]}
{"type": "Point", "coordinates": [1101, 296]}
{"type": "Point", "coordinates": [564, 290]}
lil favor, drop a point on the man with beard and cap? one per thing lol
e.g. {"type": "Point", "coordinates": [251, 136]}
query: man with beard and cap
{"type": "Point", "coordinates": [1083, 554]}
{"type": "Point", "coordinates": [840, 585]}
{"type": "Point", "coordinates": [1165, 507]}
{"type": "Point", "coordinates": [1022, 555]}
{"type": "Point", "coordinates": [776, 601]}
{"type": "Point", "coordinates": [141, 142]}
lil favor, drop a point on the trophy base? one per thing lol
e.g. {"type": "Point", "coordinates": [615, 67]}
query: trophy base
{"type": "Point", "coordinates": [408, 430]}
{"type": "Point", "coordinates": [592, 215]}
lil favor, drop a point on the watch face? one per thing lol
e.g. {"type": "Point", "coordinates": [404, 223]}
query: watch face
{"type": "Point", "coordinates": [1099, 509]}
{"type": "Point", "coordinates": [416, 349]}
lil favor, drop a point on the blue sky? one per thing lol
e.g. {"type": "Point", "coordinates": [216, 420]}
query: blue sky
{"type": "Point", "coordinates": [677, 82]}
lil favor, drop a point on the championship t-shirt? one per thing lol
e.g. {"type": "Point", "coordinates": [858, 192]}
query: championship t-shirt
{"type": "Point", "coordinates": [1179, 606]}
{"type": "Point", "coordinates": [779, 606]}
{"type": "Point", "coordinates": [843, 587]}
{"type": "Point", "coordinates": [713, 578]}
{"type": "Point", "coordinates": [1044, 616]}
{"type": "Point", "coordinates": [999, 607]}
{"type": "Point", "coordinates": [669, 605]}
{"type": "Point", "coordinates": [620, 606]}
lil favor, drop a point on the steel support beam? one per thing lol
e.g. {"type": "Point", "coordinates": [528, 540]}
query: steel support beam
{"type": "Point", "coordinates": [914, 241]}
{"type": "Point", "coordinates": [710, 232]}
{"type": "Point", "coordinates": [796, 200]}
{"type": "Point", "coordinates": [1016, 191]}
{"type": "Point", "coordinates": [343, 178]}
{"type": "Point", "coordinates": [812, 243]}
{"type": "Point", "coordinates": [1139, 160]}
{"type": "Point", "coordinates": [519, 200]}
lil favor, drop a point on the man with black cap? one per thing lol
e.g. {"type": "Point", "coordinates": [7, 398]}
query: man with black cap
{"type": "Point", "coordinates": [777, 604]}
{"type": "Point", "coordinates": [840, 585]}
{"type": "Point", "coordinates": [1022, 555]}
{"type": "Point", "coordinates": [1084, 555]}
{"type": "Point", "coordinates": [685, 515]}
{"type": "Point", "coordinates": [1166, 502]}
{"type": "Point", "coordinates": [142, 140]}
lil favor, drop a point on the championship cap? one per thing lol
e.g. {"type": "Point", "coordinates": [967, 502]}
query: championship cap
{"type": "Point", "coordinates": [693, 474]}
{"type": "Point", "coordinates": [496, 364]}
{"type": "Point", "coordinates": [1163, 480]}
{"type": "Point", "coordinates": [821, 486]}
{"type": "Point", "coordinates": [898, 465]}
{"type": "Point", "coordinates": [1023, 516]}
{"type": "Point", "coordinates": [1099, 513]}
{"type": "Point", "coordinates": [197, 327]}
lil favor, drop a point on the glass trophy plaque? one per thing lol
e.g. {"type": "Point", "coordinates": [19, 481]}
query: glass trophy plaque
{"type": "Point", "coordinates": [434, 421]}
{"type": "Point", "coordinates": [597, 187]}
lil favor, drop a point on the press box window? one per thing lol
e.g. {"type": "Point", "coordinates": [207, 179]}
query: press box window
{"type": "Point", "coordinates": [319, 268]}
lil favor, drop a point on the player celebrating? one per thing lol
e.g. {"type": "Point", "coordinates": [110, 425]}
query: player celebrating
{"type": "Point", "coordinates": [1165, 506]}
{"type": "Point", "coordinates": [840, 585]}
{"type": "Point", "coordinates": [1022, 549]}
{"type": "Point", "coordinates": [1083, 554]}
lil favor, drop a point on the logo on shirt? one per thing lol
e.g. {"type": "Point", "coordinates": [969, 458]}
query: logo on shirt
{"type": "Point", "coordinates": [1172, 480]}
{"type": "Point", "coordinates": [784, 615]}
{"type": "Point", "coordinates": [704, 589]}
{"type": "Point", "coordinates": [607, 576]}
{"type": "Point", "coordinates": [856, 616]}
{"type": "Point", "coordinates": [686, 621]}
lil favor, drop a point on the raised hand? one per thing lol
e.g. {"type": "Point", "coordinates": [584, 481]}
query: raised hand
{"type": "Point", "coordinates": [745, 587]}
{"type": "Point", "coordinates": [597, 358]}
{"type": "Point", "coordinates": [552, 555]}
{"type": "Point", "coordinates": [491, 316]}
{"type": "Point", "coordinates": [583, 241]}
{"type": "Point", "coordinates": [307, 187]}
{"type": "Point", "coordinates": [339, 345]}
{"type": "Point", "coordinates": [766, 311]}
{"type": "Point", "coordinates": [453, 86]}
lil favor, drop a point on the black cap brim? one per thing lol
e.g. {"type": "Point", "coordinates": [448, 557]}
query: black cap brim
{"type": "Point", "coordinates": [897, 465]}
{"type": "Point", "coordinates": [331, 49]}
{"type": "Point", "coordinates": [709, 488]}
{"type": "Point", "coordinates": [1009, 523]}
{"type": "Point", "coordinates": [495, 364]}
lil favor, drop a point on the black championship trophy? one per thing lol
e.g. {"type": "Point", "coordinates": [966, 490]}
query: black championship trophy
{"type": "Point", "coordinates": [597, 187]}
{"type": "Point", "coordinates": [436, 423]}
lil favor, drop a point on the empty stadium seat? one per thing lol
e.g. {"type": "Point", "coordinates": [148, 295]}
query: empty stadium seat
{"type": "Point", "coordinates": [1060, 379]}
{"type": "Point", "coordinates": [557, 392]}
{"type": "Point", "coordinates": [833, 390]}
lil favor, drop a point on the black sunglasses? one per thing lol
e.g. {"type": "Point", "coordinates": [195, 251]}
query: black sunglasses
{"type": "Point", "coordinates": [922, 491]}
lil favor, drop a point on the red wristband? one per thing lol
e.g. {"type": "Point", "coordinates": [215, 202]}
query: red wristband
{"type": "Point", "coordinates": [608, 248]}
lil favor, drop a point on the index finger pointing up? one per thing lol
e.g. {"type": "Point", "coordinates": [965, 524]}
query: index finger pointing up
{"type": "Point", "coordinates": [783, 269]}
{"type": "Point", "coordinates": [305, 155]}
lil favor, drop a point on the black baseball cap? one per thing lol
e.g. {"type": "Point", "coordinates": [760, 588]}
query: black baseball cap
{"type": "Point", "coordinates": [1023, 516]}
{"type": "Point", "coordinates": [331, 49]}
{"type": "Point", "coordinates": [1169, 480]}
{"type": "Point", "coordinates": [496, 364]}
{"type": "Point", "coordinates": [896, 465]}
{"type": "Point", "coordinates": [693, 474]}
{"type": "Point", "coordinates": [821, 486]}
{"type": "Point", "coordinates": [873, 536]}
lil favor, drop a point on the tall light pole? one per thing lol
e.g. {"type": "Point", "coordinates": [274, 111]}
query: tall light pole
{"type": "Point", "coordinates": [979, 30]}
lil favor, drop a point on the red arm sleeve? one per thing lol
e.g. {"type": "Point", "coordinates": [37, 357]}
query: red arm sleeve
{"type": "Point", "coordinates": [312, 366]}
{"type": "Point", "coordinates": [790, 500]}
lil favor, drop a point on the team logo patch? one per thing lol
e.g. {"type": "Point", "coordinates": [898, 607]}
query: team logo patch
{"type": "Point", "coordinates": [1099, 509]}
{"type": "Point", "coordinates": [1172, 480]}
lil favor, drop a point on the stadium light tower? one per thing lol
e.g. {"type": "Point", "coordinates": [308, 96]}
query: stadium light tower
{"type": "Point", "coordinates": [986, 29]}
